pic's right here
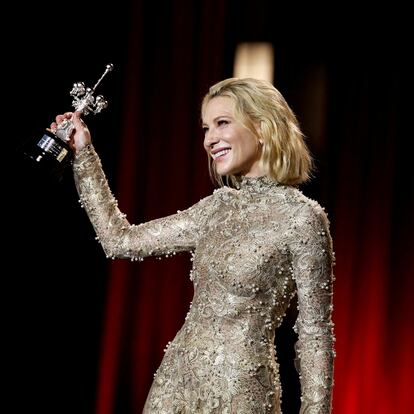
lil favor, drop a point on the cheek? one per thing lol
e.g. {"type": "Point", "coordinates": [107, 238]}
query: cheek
{"type": "Point", "coordinates": [247, 146]}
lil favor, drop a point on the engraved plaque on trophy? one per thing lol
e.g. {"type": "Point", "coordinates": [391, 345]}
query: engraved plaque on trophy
{"type": "Point", "coordinates": [52, 151]}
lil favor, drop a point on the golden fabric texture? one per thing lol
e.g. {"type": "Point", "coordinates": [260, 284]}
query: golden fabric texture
{"type": "Point", "coordinates": [253, 249]}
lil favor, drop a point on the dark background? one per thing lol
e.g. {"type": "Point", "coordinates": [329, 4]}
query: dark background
{"type": "Point", "coordinates": [86, 335]}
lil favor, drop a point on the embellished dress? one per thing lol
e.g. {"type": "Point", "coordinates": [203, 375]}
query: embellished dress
{"type": "Point", "coordinates": [253, 249]}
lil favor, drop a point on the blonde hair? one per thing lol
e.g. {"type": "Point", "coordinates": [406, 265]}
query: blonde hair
{"type": "Point", "coordinates": [261, 108]}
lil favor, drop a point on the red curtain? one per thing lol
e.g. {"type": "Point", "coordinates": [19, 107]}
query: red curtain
{"type": "Point", "coordinates": [173, 58]}
{"type": "Point", "coordinates": [374, 308]}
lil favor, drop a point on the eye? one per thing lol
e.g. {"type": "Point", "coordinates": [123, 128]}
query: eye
{"type": "Point", "coordinates": [204, 129]}
{"type": "Point", "coordinates": [222, 122]}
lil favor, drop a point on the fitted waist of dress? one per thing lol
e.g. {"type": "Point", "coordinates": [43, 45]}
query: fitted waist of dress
{"type": "Point", "coordinates": [246, 328]}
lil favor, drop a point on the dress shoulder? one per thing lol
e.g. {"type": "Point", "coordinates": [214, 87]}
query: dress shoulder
{"type": "Point", "coordinates": [307, 208]}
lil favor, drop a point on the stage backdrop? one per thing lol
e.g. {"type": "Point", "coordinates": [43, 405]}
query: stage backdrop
{"type": "Point", "coordinates": [351, 104]}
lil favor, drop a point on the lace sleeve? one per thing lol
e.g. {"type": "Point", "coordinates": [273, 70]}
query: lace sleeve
{"type": "Point", "coordinates": [120, 239]}
{"type": "Point", "coordinates": [313, 259]}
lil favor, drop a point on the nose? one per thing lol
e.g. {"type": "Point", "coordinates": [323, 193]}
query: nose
{"type": "Point", "coordinates": [211, 138]}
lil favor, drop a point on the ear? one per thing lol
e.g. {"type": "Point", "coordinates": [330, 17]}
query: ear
{"type": "Point", "coordinates": [258, 128]}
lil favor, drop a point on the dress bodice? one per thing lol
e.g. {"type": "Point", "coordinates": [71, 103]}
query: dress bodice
{"type": "Point", "coordinates": [254, 247]}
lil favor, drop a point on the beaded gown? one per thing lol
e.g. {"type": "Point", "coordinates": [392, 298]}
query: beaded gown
{"type": "Point", "coordinates": [253, 248]}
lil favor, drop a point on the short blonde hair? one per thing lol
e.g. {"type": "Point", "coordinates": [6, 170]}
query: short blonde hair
{"type": "Point", "coordinates": [262, 109]}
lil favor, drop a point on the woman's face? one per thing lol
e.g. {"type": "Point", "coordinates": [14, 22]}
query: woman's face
{"type": "Point", "coordinates": [232, 146]}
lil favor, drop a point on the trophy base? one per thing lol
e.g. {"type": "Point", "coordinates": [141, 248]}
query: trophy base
{"type": "Point", "coordinates": [50, 153]}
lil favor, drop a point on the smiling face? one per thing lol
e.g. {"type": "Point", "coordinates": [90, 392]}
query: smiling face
{"type": "Point", "coordinates": [233, 148]}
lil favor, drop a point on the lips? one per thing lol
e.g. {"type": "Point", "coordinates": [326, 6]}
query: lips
{"type": "Point", "coordinates": [220, 152]}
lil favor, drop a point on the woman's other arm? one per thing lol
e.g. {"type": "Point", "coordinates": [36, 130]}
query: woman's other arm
{"type": "Point", "coordinates": [313, 259]}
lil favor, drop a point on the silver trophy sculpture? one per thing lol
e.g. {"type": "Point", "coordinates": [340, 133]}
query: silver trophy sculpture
{"type": "Point", "coordinates": [52, 151]}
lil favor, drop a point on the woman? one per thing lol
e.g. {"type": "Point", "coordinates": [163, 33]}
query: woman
{"type": "Point", "coordinates": [256, 242]}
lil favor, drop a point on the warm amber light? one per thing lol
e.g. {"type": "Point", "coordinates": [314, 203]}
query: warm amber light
{"type": "Point", "coordinates": [254, 60]}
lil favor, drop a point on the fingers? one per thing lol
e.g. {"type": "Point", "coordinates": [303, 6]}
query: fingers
{"type": "Point", "coordinates": [80, 135]}
{"type": "Point", "coordinates": [61, 118]}
{"type": "Point", "coordinates": [78, 121]}
{"type": "Point", "coordinates": [76, 118]}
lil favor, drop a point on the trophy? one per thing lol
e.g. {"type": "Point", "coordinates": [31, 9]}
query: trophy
{"type": "Point", "coordinates": [52, 151]}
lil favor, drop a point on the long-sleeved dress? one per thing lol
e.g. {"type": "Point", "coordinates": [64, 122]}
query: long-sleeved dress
{"type": "Point", "coordinates": [253, 249]}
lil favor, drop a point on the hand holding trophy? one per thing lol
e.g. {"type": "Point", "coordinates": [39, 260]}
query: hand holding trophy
{"type": "Point", "coordinates": [53, 151]}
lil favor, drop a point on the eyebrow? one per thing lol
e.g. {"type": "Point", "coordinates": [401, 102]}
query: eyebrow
{"type": "Point", "coordinates": [218, 117]}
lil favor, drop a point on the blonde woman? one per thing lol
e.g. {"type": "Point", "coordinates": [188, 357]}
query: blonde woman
{"type": "Point", "coordinates": [257, 241]}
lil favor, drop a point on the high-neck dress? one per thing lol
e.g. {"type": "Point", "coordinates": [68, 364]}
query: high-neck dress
{"type": "Point", "coordinates": [253, 249]}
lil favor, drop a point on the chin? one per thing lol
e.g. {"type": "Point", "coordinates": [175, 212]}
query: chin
{"type": "Point", "coordinates": [227, 171]}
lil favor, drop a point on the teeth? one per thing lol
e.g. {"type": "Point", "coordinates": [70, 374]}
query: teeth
{"type": "Point", "coordinates": [220, 153]}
